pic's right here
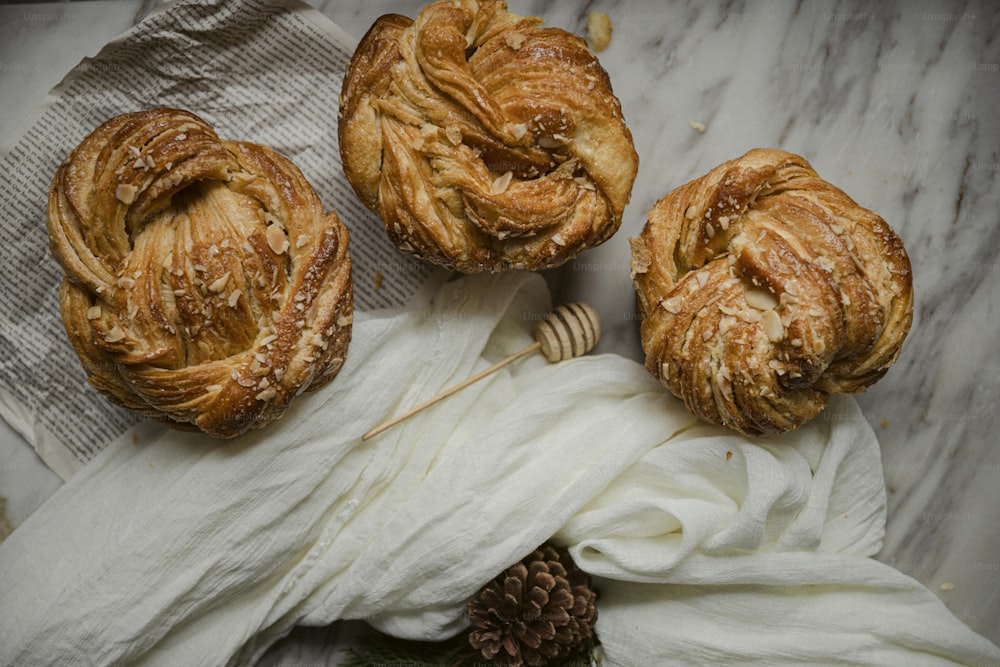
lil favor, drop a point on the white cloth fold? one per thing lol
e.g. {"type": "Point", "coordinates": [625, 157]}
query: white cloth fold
{"type": "Point", "coordinates": [183, 550]}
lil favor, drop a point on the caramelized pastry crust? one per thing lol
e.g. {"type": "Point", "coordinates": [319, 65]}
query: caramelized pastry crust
{"type": "Point", "coordinates": [203, 285]}
{"type": "Point", "coordinates": [763, 289]}
{"type": "Point", "coordinates": [483, 140]}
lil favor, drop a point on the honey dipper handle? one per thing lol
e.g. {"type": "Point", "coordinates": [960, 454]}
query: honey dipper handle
{"type": "Point", "coordinates": [448, 392]}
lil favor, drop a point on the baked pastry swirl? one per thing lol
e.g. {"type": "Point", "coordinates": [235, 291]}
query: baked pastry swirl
{"type": "Point", "coordinates": [484, 141]}
{"type": "Point", "coordinates": [763, 289]}
{"type": "Point", "coordinates": [203, 284]}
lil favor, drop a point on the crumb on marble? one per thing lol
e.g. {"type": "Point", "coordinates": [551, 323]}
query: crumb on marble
{"type": "Point", "coordinates": [377, 280]}
{"type": "Point", "coordinates": [885, 423]}
{"type": "Point", "coordinates": [697, 127]}
{"type": "Point", "coordinates": [599, 30]}
{"type": "Point", "coordinates": [947, 586]}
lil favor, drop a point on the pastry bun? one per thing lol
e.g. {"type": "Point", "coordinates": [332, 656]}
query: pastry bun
{"type": "Point", "coordinates": [484, 141]}
{"type": "Point", "coordinates": [203, 286]}
{"type": "Point", "coordinates": [763, 289]}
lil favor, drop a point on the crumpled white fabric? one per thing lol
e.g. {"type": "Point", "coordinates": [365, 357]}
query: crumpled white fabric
{"type": "Point", "coordinates": [707, 548]}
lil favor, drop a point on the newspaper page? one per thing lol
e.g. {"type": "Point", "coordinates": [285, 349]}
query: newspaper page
{"type": "Point", "coordinates": [265, 71]}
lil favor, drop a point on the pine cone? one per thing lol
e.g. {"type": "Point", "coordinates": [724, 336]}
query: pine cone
{"type": "Point", "coordinates": [539, 610]}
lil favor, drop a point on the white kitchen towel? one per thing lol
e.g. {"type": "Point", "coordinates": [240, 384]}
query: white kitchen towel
{"type": "Point", "coordinates": [709, 548]}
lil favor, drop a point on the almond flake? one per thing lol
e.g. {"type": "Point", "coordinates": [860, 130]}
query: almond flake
{"type": "Point", "coordinates": [125, 282]}
{"type": "Point", "coordinates": [125, 193]}
{"type": "Point", "coordinates": [213, 387]}
{"type": "Point", "coordinates": [501, 183]}
{"type": "Point", "coordinates": [344, 320]}
{"type": "Point", "coordinates": [94, 312]}
{"type": "Point", "coordinates": [672, 305]}
{"type": "Point", "coordinates": [234, 298]}
{"type": "Point", "coordinates": [116, 334]}
{"type": "Point", "coordinates": [728, 310]}
{"type": "Point", "coordinates": [515, 40]}
{"type": "Point", "coordinates": [772, 326]}
{"type": "Point", "coordinates": [220, 283]}
{"type": "Point", "coordinates": [454, 135]}
{"type": "Point", "coordinates": [276, 239]}
{"type": "Point", "coordinates": [267, 394]}
{"type": "Point", "coordinates": [760, 299]}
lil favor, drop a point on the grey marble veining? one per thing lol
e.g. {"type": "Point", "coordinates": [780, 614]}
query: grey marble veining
{"type": "Point", "coordinates": [895, 103]}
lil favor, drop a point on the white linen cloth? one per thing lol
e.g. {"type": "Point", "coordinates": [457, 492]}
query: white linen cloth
{"type": "Point", "coordinates": [707, 548]}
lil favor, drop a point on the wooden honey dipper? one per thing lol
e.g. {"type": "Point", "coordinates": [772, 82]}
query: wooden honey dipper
{"type": "Point", "coordinates": [569, 331]}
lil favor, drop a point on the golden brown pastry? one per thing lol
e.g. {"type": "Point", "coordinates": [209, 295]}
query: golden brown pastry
{"type": "Point", "coordinates": [203, 285]}
{"type": "Point", "coordinates": [483, 140]}
{"type": "Point", "coordinates": [763, 289]}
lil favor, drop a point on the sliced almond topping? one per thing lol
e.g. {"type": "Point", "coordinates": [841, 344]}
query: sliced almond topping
{"type": "Point", "coordinates": [267, 394]}
{"type": "Point", "coordinates": [94, 312]}
{"type": "Point", "coordinates": [515, 40]}
{"type": "Point", "coordinates": [213, 387]}
{"type": "Point", "coordinates": [116, 334]}
{"type": "Point", "coordinates": [234, 298]}
{"type": "Point", "coordinates": [702, 278]}
{"type": "Point", "coordinates": [672, 305]}
{"type": "Point", "coordinates": [760, 299]}
{"type": "Point", "coordinates": [453, 134]}
{"type": "Point", "coordinates": [772, 326]}
{"type": "Point", "coordinates": [501, 183]}
{"type": "Point", "coordinates": [728, 310]}
{"type": "Point", "coordinates": [344, 320]}
{"type": "Point", "coordinates": [125, 282]}
{"type": "Point", "coordinates": [276, 239]}
{"type": "Point", "coordinates": [126, 193]}
{"type": "Point", "coordinates": [220, 283]}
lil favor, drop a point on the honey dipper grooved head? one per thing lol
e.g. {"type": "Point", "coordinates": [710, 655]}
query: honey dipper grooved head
{"type": "Point", "coordinates": [568, 331]}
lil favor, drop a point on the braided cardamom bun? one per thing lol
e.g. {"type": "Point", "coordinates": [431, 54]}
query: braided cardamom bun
{"type": "Point", "coordinates": [763, 289]}
{"type": "Point", "coordinates": [484, 141]}
{"type": "Point", "coordinates": [203, 284]}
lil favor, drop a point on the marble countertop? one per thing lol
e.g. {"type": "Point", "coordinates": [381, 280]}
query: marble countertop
{"type": "Point", "coordinates": [893, 102]}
